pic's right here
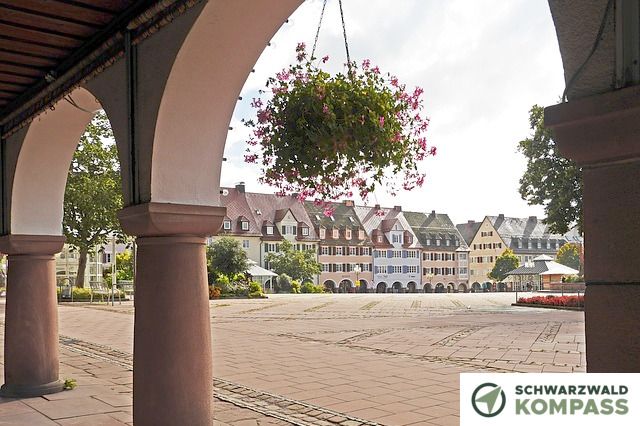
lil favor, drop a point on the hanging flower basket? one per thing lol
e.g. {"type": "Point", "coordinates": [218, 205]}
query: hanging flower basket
{"type": "Point", "coordinates": [325, 136]}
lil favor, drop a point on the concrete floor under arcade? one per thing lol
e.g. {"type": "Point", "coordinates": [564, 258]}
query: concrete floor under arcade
{"type": "Point", "coordinates": [358, 359]}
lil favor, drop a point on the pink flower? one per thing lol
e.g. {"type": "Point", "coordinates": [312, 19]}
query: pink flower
{"type": "Point", "coordinates": [366, 64]}
{"type": "Point", "coordinates": [375, 70]}
{"type": "Point", "coordinates": [325, 109]}
{"type": "Point", "coordinates": [381, 121]}
{"type": "Point", "coordinates": [432, 151]}
{"type": "Point", "coordinates": [325, 59]}
{"type": "Point", "coordinates": [256, 103]}
{"type": "Point", "coordinates": [394, 81]}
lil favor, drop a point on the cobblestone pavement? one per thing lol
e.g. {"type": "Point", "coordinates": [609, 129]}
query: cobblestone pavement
{"type": "Point", "coordinates": [317, 359]}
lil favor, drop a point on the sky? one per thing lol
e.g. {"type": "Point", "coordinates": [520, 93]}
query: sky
{"type": "Point", "coordinates": [482, 65]}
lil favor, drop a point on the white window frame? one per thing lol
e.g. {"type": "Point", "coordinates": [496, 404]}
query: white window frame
{"type": "Point", "coordinates": [226, 225]}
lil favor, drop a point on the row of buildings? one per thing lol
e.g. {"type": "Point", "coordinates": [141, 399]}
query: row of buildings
{"type": "Point", "coordinates": [379, 249]}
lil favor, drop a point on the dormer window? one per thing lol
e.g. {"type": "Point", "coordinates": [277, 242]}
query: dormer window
{"type": "Point", "coordinates": [336, 234]}
{"type": "Point", "coordinates": [323, 234]}
{"type": "Point", "coordinates": [379, 238]}
{"type": "Point", "coordinates": [269, 230]}
{"type": "Point", "coordinates": [348, 234]}
{"type": "Point", "coordinates": [438, 242]}
{"type": "Point", "coordinates": [244, 225]}
{"type": "Point", "coordinates": [305, 231]}
{"type": "Point", "coordinates": [361, 234]}
{"type": "Point", "coordinates": [226, 225]}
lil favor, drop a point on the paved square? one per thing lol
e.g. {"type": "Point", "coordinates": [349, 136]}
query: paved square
{"type": "Point", "coordinates": [346, 359]}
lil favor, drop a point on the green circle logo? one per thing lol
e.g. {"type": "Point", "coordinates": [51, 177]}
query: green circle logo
{"type": "Point", "coordinates": [485, 398]}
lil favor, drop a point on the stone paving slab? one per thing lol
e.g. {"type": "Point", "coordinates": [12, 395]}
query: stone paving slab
{"type": "Point", "coordinates": [368, 358]}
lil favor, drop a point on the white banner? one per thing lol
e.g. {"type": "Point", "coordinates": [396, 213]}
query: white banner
{"type": "Point", "coordinates": [549, 399]}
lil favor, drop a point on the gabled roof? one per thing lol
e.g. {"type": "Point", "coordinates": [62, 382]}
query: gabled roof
{"type": "Point", "coordinates": [543, 265]}
{"type": "Point", "coordinates": [263, 209]}
{"type": "Point", "coordinates": [468, 230]}
{"type": "Point", "coordinates": [381, 217]}
{"type": "Point", "coordinates": [344, 217]}
{"type": "Point", "coordinates": [434, 226]}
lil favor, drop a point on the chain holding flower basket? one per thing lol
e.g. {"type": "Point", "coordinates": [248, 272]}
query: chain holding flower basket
{"type": "Point", "coordinates": [322, 136]}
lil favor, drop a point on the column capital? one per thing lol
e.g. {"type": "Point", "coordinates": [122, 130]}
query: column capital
{"type": "Point", "coordinates": [16, 244]}
{"type": "Point", "coordinates": [164, 219]}
{"type": "Point", "coordinates": [599, 129]}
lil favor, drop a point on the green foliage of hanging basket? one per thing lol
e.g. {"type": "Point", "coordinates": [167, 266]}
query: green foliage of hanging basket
{"type": "Point", "coordinates": [323, 136]}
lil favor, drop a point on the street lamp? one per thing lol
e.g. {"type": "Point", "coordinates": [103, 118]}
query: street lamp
{"type": "Point", "coordinates": [357, 270]}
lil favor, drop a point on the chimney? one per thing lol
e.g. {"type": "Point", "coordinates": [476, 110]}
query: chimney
{"type": "Point", "coordinates": [501, 216]}
{"type": "Point", "coordinates": [349, 203]}
{"type": "Point", "coordinates": [377, 206]}
{"type": "Point", "coordinates": [433, 213]}
{"type": "Point", "coordinates": [240, 187]}
{"type": "Point", "coordinates": [397, 208]}
{"type": "Point", "coordinates": [533, 218]}
{"type": "Point", "coordinates": [471, 221]}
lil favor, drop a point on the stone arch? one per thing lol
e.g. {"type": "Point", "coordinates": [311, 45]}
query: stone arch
{"type": "Point", "coordinates": [41, 164]}
{"type": "Point", "coordinates": [462, 288]}
{"type": "Point", "coordinates": [362, 286]}
{"type": "Point", "coordinates": [199, 90]}
{"type": "Point", "coordinates": [475, 287]}
{"type": "Point", "coordinates": [428, 288]}
{"type": "Point", "coordinates": [396, 287]}
{"type": "Point", "coordinates": [346, 286]}
{"type": "Point", "coordinates": [451, 288]}
{"type": "Point", "coordinates": [440, 288]}
{"type": "Point", "coordinates": [412, 287]}
{"type": "Point", "coordinates": [381, 287]}
{"type": "Point", "coordinates": [329, 286]}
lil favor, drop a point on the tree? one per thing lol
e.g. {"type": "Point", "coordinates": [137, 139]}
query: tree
{"type": "Point", "coordinates": [93, 194]}
{"type": "Point", "coordinates": [550, 180]}
{"type": "Point", "coordinates": [569, 255]}
{"type": "Point", "coordinates": [227, 257]}
{"type": "Point", "coordinates": [299, 265]}
{"type": "Point", "coordinates": [506, 262]}
{"type": "Point", "coordinates": [124, 267]}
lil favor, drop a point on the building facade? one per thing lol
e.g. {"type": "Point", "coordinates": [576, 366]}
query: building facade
{"type": "Point", "coordinates": [444, 256]}
{"type": "Point", "coordinates": [344, 250]}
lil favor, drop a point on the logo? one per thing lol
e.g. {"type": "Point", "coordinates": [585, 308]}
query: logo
{"type": "Point", "coordinates": [485, 398]}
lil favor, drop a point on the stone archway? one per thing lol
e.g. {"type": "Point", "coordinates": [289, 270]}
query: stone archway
{"type": "Point", "coordinates": [381, 287]}
{"type": "Point", "coordinates": [451, 288]}
{"type": "Point", "coordinates": [330, 286]}
{"type": "Point", "coordinates": [428, 288]}
{"type": "Point", "coordinates": [346, 286]}
{"type": "Point", "coordinates": [440, 288]}
{"type": "Point", "coordinates": [462, 288]}
{"type": "Point", "coordinates": [396, 287]}
{"type": "Point", "coordinates": [362, 286]}
{"type": "Point", "coordinates": [476, 287]}
{"type": "Point", "coordinates": [412, 287]}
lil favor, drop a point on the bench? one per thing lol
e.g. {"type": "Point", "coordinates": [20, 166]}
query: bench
{"type": "Point", "coordinates": [126, 287]}
{"type": "Point", "coordinates": [99, 288]}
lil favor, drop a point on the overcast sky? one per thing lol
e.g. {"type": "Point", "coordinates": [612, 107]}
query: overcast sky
{"type": "Point", "coordinates": [482, 65]}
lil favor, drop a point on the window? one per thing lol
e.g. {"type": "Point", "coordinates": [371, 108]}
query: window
{"type": "Point", "coordinates": [412, 254]}
{"type": "Point", "coordinates": [395, 238]}
{"type": "Point", "coordinates": [323, 233]}
{"type": "Point", "coordinates": [366, 251]}
{"type": "Point", "coordinates": [380, 238]}
{"type": "Point", "coordinates": [244, 225]}
{"type": "Point", "coordinates": [463, 271]}
{"type": "Point", "coordinates": [437, 242]}
{"type": "Point", "coordinates": [396, 269]}
{"type": "Point", "coordinates": [305, 232]}
{"type": "Point", "coordinates": [448, 242]}
{"type": "Point", "coordinates": [428, 242]}
{"type": "Point", "coordinates": [380, 270]}
{"type": "Point", "coordinates": [462, 256]}
{"type": "Point", "coordinates": [397, 253]}
{"type": "Point", "coordinates": [338, 267]}
{"type": "Point", "coordinates": [361, 234]}
{"type": "Point", "coordinates": [548, 244]}
{"type": "Point", "coordinates": [529, 244]}
{"type": "Point", "coordinates": [324, 250]}
{"type": "Point", "coordinates": [335, 234]}
{"type": "Point", "coordinates": [294, 230]}
{"type": "Point", "coordinates": [352, 251]}
{"type": "Point", "coordinates": [339, 251]}
{"type": "Point", "coordinates": [226, 224]}
{"type": "Point", "coordinates": [269, 230]}
{"type": "Point", "coordinates": [326, 267]}
{"type": "Point", "coordinates": [519, 244]}
{"type": "Point", "coordinates": [245, 244]}
{"type": "Point", "coordinates": [348, 234]}
{"type": "Point", "coordinates": [284, 229]}
{"type": "Point", "coordinates": [412, 269]}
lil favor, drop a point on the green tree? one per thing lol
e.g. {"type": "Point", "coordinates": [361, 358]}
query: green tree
{"type": "Point", "coordinates": [550, 180]}
{"type": "Point", "coordinates": [93, 194]}
{"type": "Point", "coordinates": [227, 257]}
{"type": "Point", "coordinates": [124, 267]}
{"type": "Point", "coordinates": [506, 262]}
{"type": "Point", "coordinates": [300, 265]}
{"type": "Point", "coordinates": [569, 255]}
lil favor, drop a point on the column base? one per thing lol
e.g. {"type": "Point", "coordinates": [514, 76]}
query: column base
{"type": "Point", "coordinates": [30, 391]}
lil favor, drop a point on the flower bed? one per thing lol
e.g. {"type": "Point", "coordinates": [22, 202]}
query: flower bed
{"type": "Point", "coordinates": [556, 301]}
